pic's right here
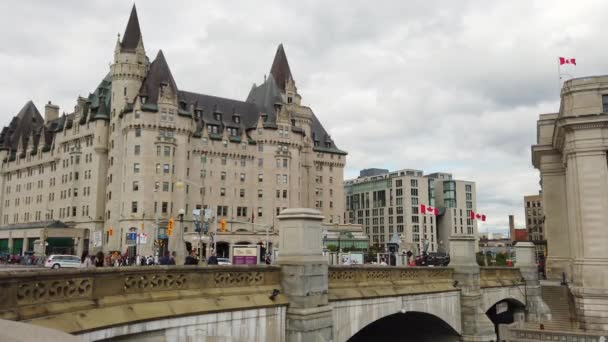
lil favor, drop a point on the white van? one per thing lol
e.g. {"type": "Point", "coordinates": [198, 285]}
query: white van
{"type": "Point", "coordinates": [59, 261]}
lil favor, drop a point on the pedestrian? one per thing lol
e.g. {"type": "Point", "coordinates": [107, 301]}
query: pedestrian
{"type": "Point", "coordinates": [212, 259]}
{"type": "Point", "coordinates": [191, 259]}
{"type": "Point", "coordinates": [173, 257]}
{"type": "Point", "coordinates": [85, 261]}
{"type": "Point", "coordinates": [99, 259]}
{"type": "Point", "coordinates": [167, 260]}
{"type": "Point", "coordinates": [268, 260]}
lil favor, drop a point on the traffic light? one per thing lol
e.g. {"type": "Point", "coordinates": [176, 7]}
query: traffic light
{"type": "Point", "coordinates": [111, 231]}
{"type": "Point", "coordinates": [170, 226]}
{"type": "Point", "coordinates": [223, 225]}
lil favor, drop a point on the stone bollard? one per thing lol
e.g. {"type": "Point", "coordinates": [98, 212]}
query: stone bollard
{"type": "Point", "coordinates": [304, 276]}
{"type": "Point", "coordinates": [537, 309]}
{"type": "Point", "coordinates": [476, 326]}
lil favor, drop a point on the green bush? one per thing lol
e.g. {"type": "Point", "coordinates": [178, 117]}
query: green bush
{"type": "Point", "coordinates": [501, 259]}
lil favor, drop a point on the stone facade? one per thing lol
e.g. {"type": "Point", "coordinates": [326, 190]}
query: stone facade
{"type": "Point", "coordinates": [138, 149]}
{"type": "Point", "coordinates": [571, 156]}
{"type": "Point", "coordinates": [535, 222]}
{"type": "Point", "coordinates": [385, 203]}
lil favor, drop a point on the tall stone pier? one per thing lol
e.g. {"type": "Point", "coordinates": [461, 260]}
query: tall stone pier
{"type": "Point", "coordinates": [476, 326]}
{"type": "Point", "coordinates": [536, 309]}
{"type": "Point", "coordinates": [304, 276]}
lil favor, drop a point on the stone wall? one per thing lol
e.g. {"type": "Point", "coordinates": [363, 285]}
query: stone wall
{"type": "Point", "coordinates": [255, 325]}
{"type": "Point", "coordinates": [77, 301]}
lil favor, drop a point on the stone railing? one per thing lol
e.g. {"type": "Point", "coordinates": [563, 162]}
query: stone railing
{"type": "Point", "coordinates": [515, 333]}
{"type": "Point", "coordinates": [500, 276]}
{"type": "Point", "coordinates": [27, 295]}
{"type": "Point", "coordinates": [361, 281]}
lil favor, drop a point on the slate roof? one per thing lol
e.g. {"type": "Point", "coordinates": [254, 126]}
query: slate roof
{"type": "Point", "coordinates": [132, 35]}
{"type": "Point", "coordinates": [158, 74]}
{"type": "Point", "coordinates": [28, 120]}
{"type": "Point", "coordinates": [280, 68]}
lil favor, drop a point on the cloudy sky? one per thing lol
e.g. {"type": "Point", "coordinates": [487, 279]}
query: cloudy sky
{"type": "Point", "coordinates": [451, 86]}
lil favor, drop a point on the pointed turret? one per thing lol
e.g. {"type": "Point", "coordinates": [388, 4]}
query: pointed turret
{"type": "Point", "coordinates": [158, 77]}
{"type": "Point", "coordinates": [280, 68]}
{"type": "Point", "coordinates": [132, 36]}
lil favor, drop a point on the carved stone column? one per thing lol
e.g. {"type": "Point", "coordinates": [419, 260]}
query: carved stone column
{"type": "Point", "coordinates": [304, 276]}
{"type": "Point", "coordinates": [555, 206]}
{"type": "Point", "coordinates": [476, 326]}
{"type": "Point", "coordinates": [537, 309]}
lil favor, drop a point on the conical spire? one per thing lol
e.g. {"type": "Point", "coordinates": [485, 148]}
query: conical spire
{"type": "Point", "coordinates": [280, 68]}
{"type": "Point", "coordinates": [132, 35]}
{"type": "Point", "coordinates": [158, 74]}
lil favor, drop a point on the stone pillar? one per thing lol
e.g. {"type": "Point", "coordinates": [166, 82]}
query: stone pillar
{"type": "Point", "coordinates": [476, 326]}
{"type": "Point", "coordinates": [304, 276]}
{"type": "Point", "coordinates": [555, 206]}
{"type": "Point", "coordinates": [537, 310]}
{"type": "Point", "coordinates": [587, 180]}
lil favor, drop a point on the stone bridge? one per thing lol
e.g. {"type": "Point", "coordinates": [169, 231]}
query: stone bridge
{"type": "Point", "coordinates": [301, 299]}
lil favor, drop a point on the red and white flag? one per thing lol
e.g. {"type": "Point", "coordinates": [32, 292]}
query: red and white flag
{"type": "Point", "coordinates": [428, 210]}
{"type": "Point", "coordinates": [478, 216]}
{"type": "Point", "coordinates": [565, 60]}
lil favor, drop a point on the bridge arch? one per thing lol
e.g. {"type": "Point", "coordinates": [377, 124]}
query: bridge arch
{"type": "Point", "coordinates": [354, 315]}
{"type": "Point", "coordinates": [407, 326]}
{"type": "Point", "coordinates": [505, 311]}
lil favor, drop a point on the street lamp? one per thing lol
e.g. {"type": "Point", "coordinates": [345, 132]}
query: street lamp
{"type": "Point", "coordinates": [181, 245]}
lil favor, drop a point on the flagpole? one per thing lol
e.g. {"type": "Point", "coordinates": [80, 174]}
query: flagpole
{"type": "Point", "coordinates": [559, 78]}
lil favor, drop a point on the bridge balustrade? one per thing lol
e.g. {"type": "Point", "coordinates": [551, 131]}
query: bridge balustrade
{"type": "Point", "coordinates": [363, 281]}
{"type": "Point", "coordinates": [132, 292]}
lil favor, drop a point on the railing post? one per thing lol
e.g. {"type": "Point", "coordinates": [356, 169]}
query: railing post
{"type": "Point", "coordinates": [537, 310]}
{"type": "Point", "coordinates": [476, 326]}
{"type": "Point", "coordinates": [304, 276]}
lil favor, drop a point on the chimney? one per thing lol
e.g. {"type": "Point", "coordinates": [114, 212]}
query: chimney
{"type": "Point", "coordinates": [512, 227]}
{"type": "Point", "coordinates": [51, 112]}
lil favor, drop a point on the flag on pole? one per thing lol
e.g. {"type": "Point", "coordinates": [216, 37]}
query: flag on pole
{"type": "Point", "coordinates": [565, 60]}
{"type": "Point", "coordinates": [428, 209]}
{"type": "Point", "coordinates": [478, 216]}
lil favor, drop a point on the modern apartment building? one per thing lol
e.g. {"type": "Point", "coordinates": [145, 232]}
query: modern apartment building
{"type": "Point", "coordinates": [535, 221]}
{"type": "Point", "coordinates": [387, 203]}
{"type": "Point", "coordinates": [138, 150]}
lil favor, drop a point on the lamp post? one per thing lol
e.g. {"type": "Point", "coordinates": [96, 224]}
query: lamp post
{"type": "Point", "coordinates": [180, 243]}
{"type": "Point", "coordinates": [180, 184]}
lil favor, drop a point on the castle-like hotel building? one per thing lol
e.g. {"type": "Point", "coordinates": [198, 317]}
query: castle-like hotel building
{"type": "Point", "coordinates": [138, 149]}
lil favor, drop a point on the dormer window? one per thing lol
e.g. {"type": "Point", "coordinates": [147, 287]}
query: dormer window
{"type": "Point", "coordinates": [232, 131]}
{"type": "Point", "coordinates": [316, 143]}
{"type": "Point", "coordinates": [236, 119]}
{"type": "Point", "coordinates": [217, 116]}
{"type": "Point", "coordinates": [289, 99]}
{"type": "Point", "coordinates": [183, 105]}
{"type": "Point", "coordinates": [198, 112]}
{"type": "Point", "coordinates": [144, 99]}
{"type": "Point", "coordinates": [328, 144]}
{"type": "Point", "coordinates": [213, 129]}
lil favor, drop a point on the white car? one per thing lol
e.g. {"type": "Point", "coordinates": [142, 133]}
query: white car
{"type": "Point", "coordinates": [59, 261]}
{"type": "Point", "coordinates": [223, 261]}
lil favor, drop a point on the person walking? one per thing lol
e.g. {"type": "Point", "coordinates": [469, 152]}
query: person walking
{"type": "Point", "coordinates": [85, 261]}
{"type": "Point", "coordinates": [99, 259]}
{"type": "Point", "coordinates": [166, 260]}
{"type": "Point", "coordinates": [192, 259]}
{"type": "Point", "coordinates": [212, 259]}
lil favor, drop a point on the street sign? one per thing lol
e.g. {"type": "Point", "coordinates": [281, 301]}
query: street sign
{"type": "Point", "coordinates": [131, 238]}
{"type": "Point", "coordinates": [143, 238]}
{"type": "Point", "coordinates": [97, 238]}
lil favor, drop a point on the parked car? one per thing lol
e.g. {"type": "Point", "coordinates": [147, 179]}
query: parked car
{"type": "Point", "coordinates": [223, 261]}
{"type": "Point", "coordinates": [434, 259]}
{"type": "Point", "coordinates": [59, 261]}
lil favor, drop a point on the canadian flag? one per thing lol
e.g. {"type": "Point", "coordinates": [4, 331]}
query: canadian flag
{"type": "Point", "coordinates": [564, 60]}
{"type": "Point", "coordinates": [428, 209]}
{"type": "Point", "coordinates": [478, 216]}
